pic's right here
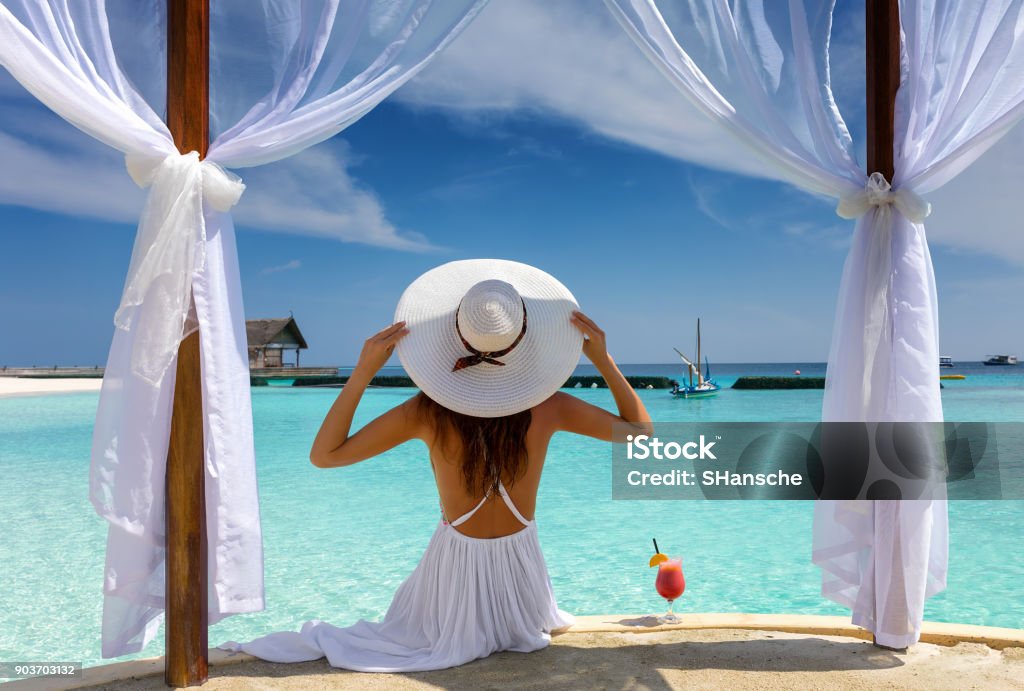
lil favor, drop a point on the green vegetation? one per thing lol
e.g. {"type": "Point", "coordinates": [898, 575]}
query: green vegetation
{"type": "Point", "coordinates": [585, 382]}
{"type": "Point", "coordinates": [339, 380]}
{"type": "Point", "coordinates": [780, 383]}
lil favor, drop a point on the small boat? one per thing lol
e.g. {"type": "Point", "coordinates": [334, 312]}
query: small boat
{"type": "Point", "coordinates": [705, 386]}
{"type": "Point", "coordinates": [1001, 360]}
{"type": "Point", "coordinates": [945, 361]}
{"type": "Point", "coordinates": [953, 376]}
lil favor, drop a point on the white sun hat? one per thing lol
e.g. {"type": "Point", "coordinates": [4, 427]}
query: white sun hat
{"type": "Point", "coordinates": [488, 337]}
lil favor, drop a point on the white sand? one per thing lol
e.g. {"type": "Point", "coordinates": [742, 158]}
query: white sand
{"type": "Point", "coordinates": [678, 659]}
{"type": "Point", "coordinates": [18, 386]}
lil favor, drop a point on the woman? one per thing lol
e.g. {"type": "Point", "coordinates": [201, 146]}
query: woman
{"type": "Point", "coordinates": [489, 343]}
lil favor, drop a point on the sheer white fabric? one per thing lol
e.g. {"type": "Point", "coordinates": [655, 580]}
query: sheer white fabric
{"type": "Point", "coordinates": [329, 62]}
{"type": "Point", "coordinates": [761, 70]}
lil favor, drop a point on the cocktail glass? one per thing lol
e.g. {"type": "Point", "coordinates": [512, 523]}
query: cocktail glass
{"type": "Point", "coordinates": [670, 584]}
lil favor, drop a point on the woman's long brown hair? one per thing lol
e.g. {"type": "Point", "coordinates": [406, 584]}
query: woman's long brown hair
{"type": "Point", "coordinates": [488, 448]}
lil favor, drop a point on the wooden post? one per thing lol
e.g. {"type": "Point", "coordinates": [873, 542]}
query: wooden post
{"type": "Point", "coordinates": [883, 78]}
{"type": "Point", "coordinates": [882, 48]}
{"type": "Point", "coordinates": [188, 34]}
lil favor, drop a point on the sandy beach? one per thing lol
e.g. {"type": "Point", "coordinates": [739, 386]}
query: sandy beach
{"type": "Point", "coordinates": [706, 651]}
{"type": "Point", "coordinates": [704, 659]}
{"type": "Point", "coordinates": [20, 386]}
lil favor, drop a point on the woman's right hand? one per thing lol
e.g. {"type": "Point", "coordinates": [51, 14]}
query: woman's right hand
{"type": "Point", "coordinates": [585, 418]}
{"type": "Point", "coordinates": [594, 345]}
{"type": "Point", "coordinates": [378, 348]}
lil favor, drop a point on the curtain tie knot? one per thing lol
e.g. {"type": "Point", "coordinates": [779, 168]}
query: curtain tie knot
{"type": "Point", "coordinates": [170, 247]}
{"type": "Point", "coordinates": [220, 187]}
{"type": "Point", "coordinates": [878, 192]}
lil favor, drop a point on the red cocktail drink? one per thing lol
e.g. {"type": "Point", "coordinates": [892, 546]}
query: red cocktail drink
{"type": "Point", "coordinates": [670, 584]}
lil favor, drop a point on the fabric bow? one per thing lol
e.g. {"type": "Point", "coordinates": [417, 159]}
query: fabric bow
{"type": "Point", "coordinates": [476, 357]}
{"type": "Point", "coordinates": [170, 245]}
{"type": "Point", "coordinates": [878, 192]}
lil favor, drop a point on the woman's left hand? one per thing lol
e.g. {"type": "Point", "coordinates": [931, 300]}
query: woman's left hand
{"type": "Point", "coordinates": [378, 348]}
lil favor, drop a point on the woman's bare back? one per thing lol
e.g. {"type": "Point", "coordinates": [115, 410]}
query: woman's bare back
{"type": "Point", "coordinates": [494, 519]}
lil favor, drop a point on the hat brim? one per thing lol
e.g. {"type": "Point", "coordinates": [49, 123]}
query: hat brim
{"type": "Point", "coordinates": [532, 372]}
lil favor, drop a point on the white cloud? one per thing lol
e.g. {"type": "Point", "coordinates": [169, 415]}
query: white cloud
{"type": "Point", "coordinates": [473, 185]}
{"type": "Point", "coordinates": [287, 266]}
{"type": "Point", "coordinates": [48, 165]}
{"type": "Point", "coordinates": [80, 177]}
{"type": "Point", "coordinates": [571, 60]}
{"type": "Point", "coordinates": [312, 193]}
{"type": "Point", "coordinates": [979, 210]}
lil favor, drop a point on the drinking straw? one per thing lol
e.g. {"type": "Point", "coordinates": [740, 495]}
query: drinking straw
{"type": "Point", "coordinates": [656, 550]}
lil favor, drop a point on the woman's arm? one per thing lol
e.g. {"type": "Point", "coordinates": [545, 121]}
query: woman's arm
{"type": "Point", "coordinates": [575, 415]}
{"type": "Point", "coordinates": [333, 447]}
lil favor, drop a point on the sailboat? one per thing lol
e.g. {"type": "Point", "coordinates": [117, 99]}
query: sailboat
{"type": "Point", "coordinates": [705, 385]}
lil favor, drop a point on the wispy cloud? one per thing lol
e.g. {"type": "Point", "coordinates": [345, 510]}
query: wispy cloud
{"type": "Point", "coordinates": [530, 147]}
{"type": "Point", "coordinates": [979, 210]}
{"type": "Point", "coordinates": [79, 177]}
{"type": "Point", "coordinates": [837, 236]}
{"type": "Point", "coordinates": [706, 195]}
{"type": "Point", "coordinates": [474, 185]}
{"type": "Point", "coordinates": [570, 60]}
{"type": "Point", "coordinates": [287, 266]}
{"type": "Point", "coordinates": [797, 215]}
{"type": "Point", "coordinates": [313, 194]}
{"type": "Point", "coordinates": [49, 165]}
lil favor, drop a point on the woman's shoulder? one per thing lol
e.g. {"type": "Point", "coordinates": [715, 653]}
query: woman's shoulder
{"type": "Point", "coordinates": [557, 402]}
{"type": "Point", "coordinates": [413, 414]}
{"type": "Point", "coordinates": [551, 409]}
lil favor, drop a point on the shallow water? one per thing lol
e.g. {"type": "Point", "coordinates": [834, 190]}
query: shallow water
{"type": "Point", "coordinates": [338, 542]}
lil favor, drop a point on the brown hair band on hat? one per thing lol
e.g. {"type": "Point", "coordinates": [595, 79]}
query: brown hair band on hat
{"type": "Point", "coordinates": [477, 356]}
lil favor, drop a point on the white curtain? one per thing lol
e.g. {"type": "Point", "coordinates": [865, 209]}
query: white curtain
{"type": "Point", "coordinates": [322, 65]}
{"type": "Point", "coordinates": [761, 70]}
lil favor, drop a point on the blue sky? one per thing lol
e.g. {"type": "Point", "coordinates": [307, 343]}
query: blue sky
{"type": "Point", "coordinates": [525, 152]}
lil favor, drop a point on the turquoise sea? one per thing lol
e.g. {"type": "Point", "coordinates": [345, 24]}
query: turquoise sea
{"type": "Point", "coordinates": [338, 542]}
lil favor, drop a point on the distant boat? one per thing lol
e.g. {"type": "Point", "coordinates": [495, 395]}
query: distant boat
{"type": "Point", "coordinates": [945, 361]}
{"type": "Point", "coordinates": [705, 386]}
{"type": "Point", "coordinates": [1002, 360]}
{"type": "Point", "coordinates": [952, 376]}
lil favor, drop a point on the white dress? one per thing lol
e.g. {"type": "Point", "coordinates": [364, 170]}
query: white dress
{"type": "Point", "coordinates": [467, 598]}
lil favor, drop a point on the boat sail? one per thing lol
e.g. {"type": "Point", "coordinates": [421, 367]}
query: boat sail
{"type": "Point", "coordinates": [705, 385]}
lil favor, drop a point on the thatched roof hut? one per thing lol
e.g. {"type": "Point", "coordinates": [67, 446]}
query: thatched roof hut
{"type": "Point", "coordinates": [269, 338]}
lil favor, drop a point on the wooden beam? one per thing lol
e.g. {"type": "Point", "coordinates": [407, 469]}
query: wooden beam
{"type": "Point", "coordinates": [186, 661]}
{"type": "Point", "coordinates": [883, 78]}
{"type": "Point", "coordinates": [882, 49]}
{"type": "Point", "coordinates": [188, 74]}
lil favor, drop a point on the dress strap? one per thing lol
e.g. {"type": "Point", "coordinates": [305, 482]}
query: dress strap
{"type": "Point", "coordinates": [505, 497]}
{"type": "Point", "coordinates": [510, 505]}
{"type": "Point", "coordinates": [469, 514]}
